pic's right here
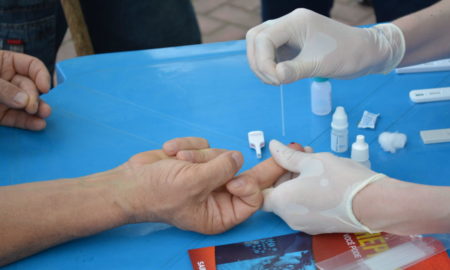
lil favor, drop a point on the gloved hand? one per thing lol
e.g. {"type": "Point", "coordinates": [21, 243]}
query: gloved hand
{"type": "Point", "coordinates": [319, 199]}
{"type": "Point", "coordinates": [317, 46]}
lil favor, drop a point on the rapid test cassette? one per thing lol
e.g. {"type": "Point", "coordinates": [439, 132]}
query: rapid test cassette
{"type": "Point", "coordinates": [430, 95]}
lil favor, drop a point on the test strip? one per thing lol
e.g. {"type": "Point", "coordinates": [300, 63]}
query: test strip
{"type": "Point", "coordinates": [435, 135]}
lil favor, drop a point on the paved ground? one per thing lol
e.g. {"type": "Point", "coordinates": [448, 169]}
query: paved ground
{"type": "Point", "coordinates": [222, 20]}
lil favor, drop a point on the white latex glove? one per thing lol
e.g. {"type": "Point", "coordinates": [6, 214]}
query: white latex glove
{"type": "Point", "coordinates": [319, 200]}
{"type": "Point", "coordinates": [316, 46]}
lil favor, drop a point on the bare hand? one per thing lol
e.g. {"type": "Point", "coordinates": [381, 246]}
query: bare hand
{"type": "Point", "coordinates": [22, 79]}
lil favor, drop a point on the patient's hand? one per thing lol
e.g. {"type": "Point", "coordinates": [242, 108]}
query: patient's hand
{"type": "Point", "coordinates": [22, 79]}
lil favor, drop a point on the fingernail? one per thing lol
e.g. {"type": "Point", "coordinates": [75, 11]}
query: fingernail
{"type": "Point", "coordinates": [171, 147]}
{"type": "Point", "coordinates": [237, 158]}
{"type": "Point", "coordinates": [186, 155]}
{"type": "Point", "coordinates": [21, 99]}
{"type": "Point", "coordinates": [238, 183]}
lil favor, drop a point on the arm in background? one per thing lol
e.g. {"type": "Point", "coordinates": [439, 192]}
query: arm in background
{"type": "Point", "coordinates": [426, 34]}
{"type": "Point", "coordinates": [186, 184]}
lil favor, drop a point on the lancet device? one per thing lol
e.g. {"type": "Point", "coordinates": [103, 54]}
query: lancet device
{"type": "Point", "coordinates": [256, 141]}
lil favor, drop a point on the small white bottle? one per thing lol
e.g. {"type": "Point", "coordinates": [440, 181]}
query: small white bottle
{"type": "Point", "coordinates": [360, 151]}
{"type": "Point", "coordinates": [339, 131]}
{"type": "Point", "coordinates": [320, 96]}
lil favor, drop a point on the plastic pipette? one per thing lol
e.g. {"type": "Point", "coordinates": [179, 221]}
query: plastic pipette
{"type": "Point", "coordinates": [283, 127]}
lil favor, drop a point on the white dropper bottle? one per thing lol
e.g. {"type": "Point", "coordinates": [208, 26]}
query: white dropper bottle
{"type": "Point", "coordinates": [339, 131]}
{"type": "Point", "coordinates": [320, 96]}
{"type": "Point", "coordinates": [360, 151]}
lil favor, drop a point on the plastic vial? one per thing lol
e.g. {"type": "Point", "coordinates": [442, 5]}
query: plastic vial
{"type": "Point", "coordinates": [360, 151]}
{"type": "Point", "coordinates": [321, 96]}
{"type": "Point", "coordinates": [339, 131]}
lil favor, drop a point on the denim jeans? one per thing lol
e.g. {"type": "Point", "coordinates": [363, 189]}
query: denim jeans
{"type": "Point", "coordinates": [37, 27]}
{"type": "Point", "coordinates": [385, 10]}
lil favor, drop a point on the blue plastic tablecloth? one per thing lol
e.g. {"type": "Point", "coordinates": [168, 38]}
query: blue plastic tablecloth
{"type": "Point", "coordinates": [109, 107]}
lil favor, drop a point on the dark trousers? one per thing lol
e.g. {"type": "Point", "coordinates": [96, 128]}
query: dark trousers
{"type": "Point", "coordinates": [37, 27]}
{"type": "Point", "coordinates": [385, 10]}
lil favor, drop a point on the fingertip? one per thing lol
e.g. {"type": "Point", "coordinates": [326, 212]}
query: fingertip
{"type": "Point", "coordinates": [44, 109]}
{"type": "Point", "coordinates": [38, 124]}
{"type": "Point", "coordinates": [43, 80]}
{"type": "Point", "coordinates": [33, 107]}
{"type": "Point", "coordinates": [284, 72]}
{"type": "Point", "coordinates": [236, 184]}
{"type": "Point", "coordinates": [296, 146]}
{"type": "Point", "coordinates": [238, 158]}
{"type": "Point", "coordinates": [309, 149]}
{"type": "Point", "coordinates": [275, 144]}
{"type": "Point", "coordinates": [185, 155]}
{"type": "Point", "coordinates": [21, 99]}
{"type": "Point", "coordinates": [170, 148]}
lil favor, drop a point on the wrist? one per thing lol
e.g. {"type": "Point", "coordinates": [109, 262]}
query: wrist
{"type": "Point", "coordinates": [116, 193]}
{"type": "Point", "coordinates": [375, 206]}
{"type": "Point", "coordinates": [390, 43]}
{"type": "Point", "coordinates": [403, 208]}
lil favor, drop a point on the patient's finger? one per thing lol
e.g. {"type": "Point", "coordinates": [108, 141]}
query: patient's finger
{"type": "Point", "coordinates": [268, 171]}
{"type": "Point", "coordinates": [199, 156]}
{"type": "Point", "coordinates": [172, 147]}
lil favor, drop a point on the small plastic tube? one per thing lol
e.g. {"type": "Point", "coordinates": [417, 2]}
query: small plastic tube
{"type": "Point", "coordinates": [360, 151]}
{"type": "Point", "coordinates": [339, 131]}
{"type": "Point", "coordinates": [321, 96]}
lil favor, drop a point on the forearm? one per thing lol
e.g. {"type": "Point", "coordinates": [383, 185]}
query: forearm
{"type": "Point", "coordinates": [404, 208]}
{"type": "Point", "coordinates": [39, 215]}
{"type": "Point", "coordinates": [426, 34]}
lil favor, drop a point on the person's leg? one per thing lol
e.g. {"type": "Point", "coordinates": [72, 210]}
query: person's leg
{"type": "Point", "coordinates": [29, 26]}
{"type": "Point", "coordinates": [117, 25]}
{"type": "Point", "coordinates": [389, 10]}
{"type": "Point", "coordinates": [272, 9]}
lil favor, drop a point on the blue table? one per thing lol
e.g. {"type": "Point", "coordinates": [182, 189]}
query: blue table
{"type": "Point", "coordinates": [109, 107]}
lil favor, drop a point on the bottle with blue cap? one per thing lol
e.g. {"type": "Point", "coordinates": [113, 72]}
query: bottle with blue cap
{"type": "Point", "coordinates": [321, 96]}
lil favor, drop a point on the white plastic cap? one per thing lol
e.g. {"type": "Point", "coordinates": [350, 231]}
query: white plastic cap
{"type": "Point", "coordinates": [339, 118]}
{"type": "Point", "coordinates": [256, 141]}
{"type": "Point", "coordinates": [360, 149]}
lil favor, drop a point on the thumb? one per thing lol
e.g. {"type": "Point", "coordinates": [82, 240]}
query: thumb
{"type": "Point", "coordinates": [294, 70]}
{"type": "Point", "coordinates": [12, 96]}
{"type": "Point", "coordinates": [219, 170]}
{"type": "Point", "coordinates": [286, 157]}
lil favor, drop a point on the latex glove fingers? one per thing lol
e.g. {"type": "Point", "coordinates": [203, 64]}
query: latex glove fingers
{"type": "Point", "coordinates": [326, 48]}
{"type": "Point", "coordinates": [320, 199]}
{"type": "Point", "coordinates": [263, 65]}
